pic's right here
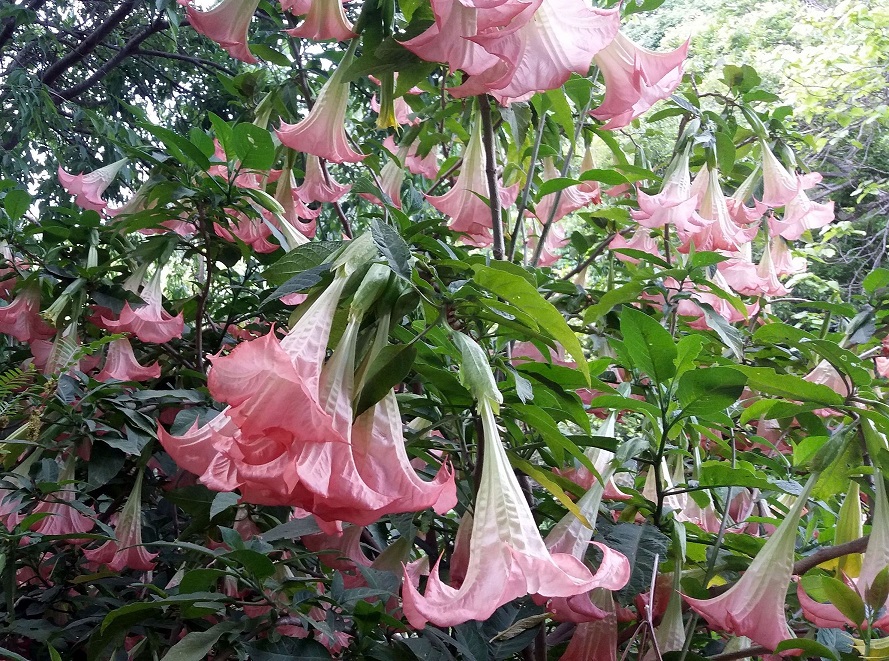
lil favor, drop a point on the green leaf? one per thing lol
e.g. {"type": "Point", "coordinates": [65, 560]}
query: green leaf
{"type": "Point", "coordinates": [291, 530]}
{"type": "Point", "coordinates": [687, 350]}
{"type": "Point", "coordinates": [635, 6]}
{"type": "Point", "coordinates": [543, 423]}
{"type": "Point", "coordinates": [388, 369]}
{"type": "Point", "coordinates": [810, 648]}
{"type": "Point", "coordinates": [224, 135]}
{"type": "Point", "coordinates": [253, 561]}
{"type": "Point", "coordinates": [300, 259]}
{"type": "Point", "coordinates": [16, 203]}
{"type": "Point", "coordinates": [847, 600]}
{"type": "Point", "coordinates": [253, 146]}
{"type": "Point", "coordinates": [393, 247]}
{"type": "Point", "coordinates": [730, 336]}
{"type": "Point", "coordinates": [554, 185]}
{"type": "Point", "coordinates": [709, 390]}
{"type": "Point", "coordinates": [610, 300]}
{"type": "Point", "coordinates": [607, 177]}
{"type": "Point", "coordinates": [269, 54]}
{"type": "Point", "coordinates": [720, 474]}
{"type": "Point", "coordinates": [520, 292]}
{"type": "Point", "coordinates": [767, 380]}
{"type": "Point", "coordinates": [876, 279]}
{"type": "Point", "coordinates": [222, 502]}
{"type": "Point", "coordinates": [299, 282]}
{"type": "Point", "coordinates": [182, 149]}
{"type": "Point", "coordinates": [196, 645]}
{"type": "Point", "coordinates": [725, 152]}
{"type": "Point", "coordinates": [878, 591]}
{"type": "Point", "coordinates": [650, 345]}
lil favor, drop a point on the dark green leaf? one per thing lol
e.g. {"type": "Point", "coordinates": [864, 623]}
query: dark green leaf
{"type": "Point", "coordinates": [197, 644]}
{"type": "Point", "coordinates": [767, 380]}
{"type": "Point", "coordinates": [709, 390]}
{"type": "Point", "coordinates": [16, 203]}
{"type": "Point", "coordinates": [253, 146]}
{"type": "Point", "coordinates": [649, 344]}
{"type": "Point", "coordinates": [393, 247]}
{"type": "Point", "coordinates": [387, 370]}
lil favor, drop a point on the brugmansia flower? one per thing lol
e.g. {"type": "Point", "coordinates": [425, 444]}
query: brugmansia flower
{"type": "Point", "coordinates": [675, 203]}
{"type": "Point", "coordinates": [63, 518]}
{"type": "Point", "coordinates": [779, 186]}
{"type": "Point", "coordinates": [426, 166]}
{"type": "Point", "coordinates": [126, 551]}
{"type": "Point", "coordinates": [719, 231]}
{"type": "Point", "coordinates": [88, 188]}
{"type": "Point", "coordinates": [21, 318]}
{"type": "Point", "coordinates": [121, 364]}
{"type": "Point", "coordinates": [316, 187]}
{"type": "Point", "coordinates": [325, 20]}
{"type": "Point", "coordinates": [596, 640]}
{"type": "Point", "coordinates": [469, 213]}
{"type": "Point", "coordinates": [754, 606]}
{"type": "Point", "coordinates": [226, 24]}
{"type": "Point", "coordinates": [541, 47]}
{"type": "Point", "coordinates": [507, 556]}
{"type": "Point", "coordinates": [323, 131]}
{"type": "Point", "coordinates": [635, 79]}
{"type": "Point", "coordinates": [150, 323]}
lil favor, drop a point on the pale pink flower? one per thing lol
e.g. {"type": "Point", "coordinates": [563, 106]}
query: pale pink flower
{"type": "Point", "coordinates": [507, 556]}
{"type": "Point", "coordinates": [427, 165]}
{"type": "Point", "coordinates": [827, 375]}
{"type": "Point", "coordinates": [226, 24]}
{"type": "Point", "coordinates": [754, 606]}
{"type": "Point", "coordinates": [468, 212]}
{"type": "Point", "coordinates": [323, 131]}
{"type": "Point", "coordinates": [596, 640]}
{"type": "Point", "coordinates": [21, 318]}
{"type": "Point", "coordinates": [553, 38]}
{"type": "Point", "coordinates": [801, 214]}
{"type": "Point", "coordinates": [391, 179]}
{"type": "Point", "coordinates": [766, 270]}
{"type": "Point", "coordinates": [401, 110]}
{"type": "Point", "coordinates": [324, 20]}
{"type": "Point", "coordinates": [316, 187]}
{"type": "Point", "coordinates": [739, 212]}
{"type": "Point", "coordinates": [252, 231]}
{"type": "Point", "coordinates": [719, 231]}
{"type": "Point", "coordinates": [450, 38]}
{"type": "Point", "coordinates": [555, 241]}
{"type": "Point", "coordinates": [675, 204]}
{"type": "Point", "coordinates": [779, 186]}
{"type": "Point", "coordinates": [782, 259]}
{"type": "Point", "coordinates": [64, 518]}
{"type": "Point", "coordinates": [640, 240]}
{"type": "Point", "coordinates": [296, 213]}
{"type": "Point", "coordinates": [88, 188]}
{"type": "Point", "coordinates": [121, 364]}
{"type": "Point", "coordinates": [126, 551]}
{"type": "Point", "coordinates": [150, 322]}
{"type": "Point", "coordinates": [635, 79]}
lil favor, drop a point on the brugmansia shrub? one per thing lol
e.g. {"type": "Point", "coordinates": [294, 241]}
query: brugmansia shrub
{"type": "Point", "coordinates": [441, 373]}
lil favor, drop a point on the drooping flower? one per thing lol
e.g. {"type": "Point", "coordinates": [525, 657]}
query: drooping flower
{"type": "Point", "coordinates": [401, 111]}
{"type": "Point", "coordinates": [738, 210]}
{"type": "Point", "coordinates": [640, 240]}
{"type": "Point", "coordinates": [296, 214]}
{"type": "Point", "coordinates": [596, 640]}
{"type": "Point", "coordinates": [635, 79]}
{"type": "Point", "coordinates": [541, 47]}
{"type": "Point", "coordinates": [779, 186]}
{"type": "Point", "coordinates": [719, 231]}
{"type": "Point", "coordinates": [754, 606]}
{"type": "Point", "coordinates": [88, 188]}
{"type": "Point", "coordinates": [468, 212]}
{"type": "Point", "coordinates": [426, 166]}
{"type": "Point", "coordinates": [318, 187]}
{"type": "Point", "coordinates": [150, 322]}
{"type": "Point", "coordinates": [64, 518]}
{"type": "Point", "coordinates": [570, 199]}
{"type": "Point", "coordinates": [126, 551]}
{"type": "Point", "coordinates": [827, 375]}
{"type": "Point", "coordinates": [21, 318]}
{"type": "Point", "coordinates": [675, 203]}
{"type": "Point", "coordinates": [572, 536]}
{"type": "Point", "coordinates": [252, 231]}
{"type": "Point", "coordinates": [391, 178]}
{"type": "Point", "coordinates": [507, 556]}
{"type": "Point", "coordinates": [782, 259]}
{"type": "Point", "coordinates": [226, 24]}
{"type": "Point", "coordinates": [450, 38]}
{"type": "Point", "coordinates": [121, 364]}
{"type": "Point", "coordinates": [323, 131]}
{"type": "Point", "coordinates": [801, 214]}
{"type": "Point", "coordinates": [324, 20]}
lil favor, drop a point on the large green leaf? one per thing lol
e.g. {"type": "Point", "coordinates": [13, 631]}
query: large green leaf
{"type": "Point", "coordinates": [521, 293]}
{"type": "Point", "coordinates": [650, 345]}
{"type": "Point", "coordinates": [196, 645]}
{"type": "Point", "coordinates": [709, 390]}
{"type": "Point", "coordinates": [767, 380]}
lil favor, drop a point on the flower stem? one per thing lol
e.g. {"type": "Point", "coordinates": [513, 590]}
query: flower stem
{"type": "Point", "coordinates": [499, 249]}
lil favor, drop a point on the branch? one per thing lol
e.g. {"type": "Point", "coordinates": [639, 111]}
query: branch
{"type": "Point", "coordinates": [10, 23]}
{"type": "Point", "coordinates": [128, 49]}
{"type": "Point", "coordinates": [55, 70]}
{"type": "Point", "coordinates": [829, 553]}
{"type": "Point", "coordinates": [184, 58]}
{"type": "Point", "coordinates": [491, 174]}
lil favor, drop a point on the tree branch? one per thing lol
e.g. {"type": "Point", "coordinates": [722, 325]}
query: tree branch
{"type": "Point", "coordinates": [184, 58]}
{"type": "Point", "coordinates": [55, 70]}
{"type": "Point", "coordinates": [10, 23]}
{"type": "Point", "coordinates": [491, 173]}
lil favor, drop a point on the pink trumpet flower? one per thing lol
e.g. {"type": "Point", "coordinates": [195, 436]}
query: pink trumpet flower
{"type": "Point", "coordinates": [126, 551]}
{"type": "Point", "coordinates": [449, 39]}
{"type": "Point", "coordinates": [296, 213]}
{"type": "Point", "coordinates": [469, 213]}
{"type": "Point", "coordinates": [150, 322]}
{"type": "Point", "coordinates": [391, 179]}
{"type": "Point", "coordinates": [325, 19]}
{"type": "Point", "coordinates": [596, 640]}
{"type": "Point", "coordinates": [801, 214]}
{"type": "Point", "coordinates": [251, 231]}
{"type": "Point", "coordinates": [323, 131]}
{"type": "Point", "coordinates": [754, 606]}
{"type": "Point", "coordinates": [316, 187]}
{"type": "Point", "coordinates": [572, 536]}
{"type": "Point", "coordinates": [507, 556]}
{"type": "Point", "coordinates": [64, 518]}
{"type": "Point", "coordinates": [641, 240]}
{"type": "Point", "coordinates": [226, 24]}
{"type": "Point", "coordinates": [541, 47]}
{"type": "Point", "coordinates": [779, 186]}
{"type": "Point", "coordinates": [782, 259]}
{"type": "Point", "coordinates": [635, 79]}
{"type": "Point", "coordinates": [296, 7]}
{"type": "Point", "coordinates": [427, 165]}
{"type": "Point", "coordinates": [122, 365]}
{"type": "Point", "coordinates": [21, 318]}
{"type": "Point", "coordinates": [719, 232]}
{"type": "Point", "coordinates": [675, 203]}
{"type": "Point", "coordinates": [88, 188]}
{"type": "Point", "coordinates": [571, 199]}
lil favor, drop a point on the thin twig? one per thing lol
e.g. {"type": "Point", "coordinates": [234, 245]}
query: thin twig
{"type": "Point", "coordinates": [526, 191]}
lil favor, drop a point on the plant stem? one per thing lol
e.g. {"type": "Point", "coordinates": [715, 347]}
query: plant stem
{"type": "Point", "coordinates": [526, 191]}
{"type": "Point", "coordinates": [498, 248]}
